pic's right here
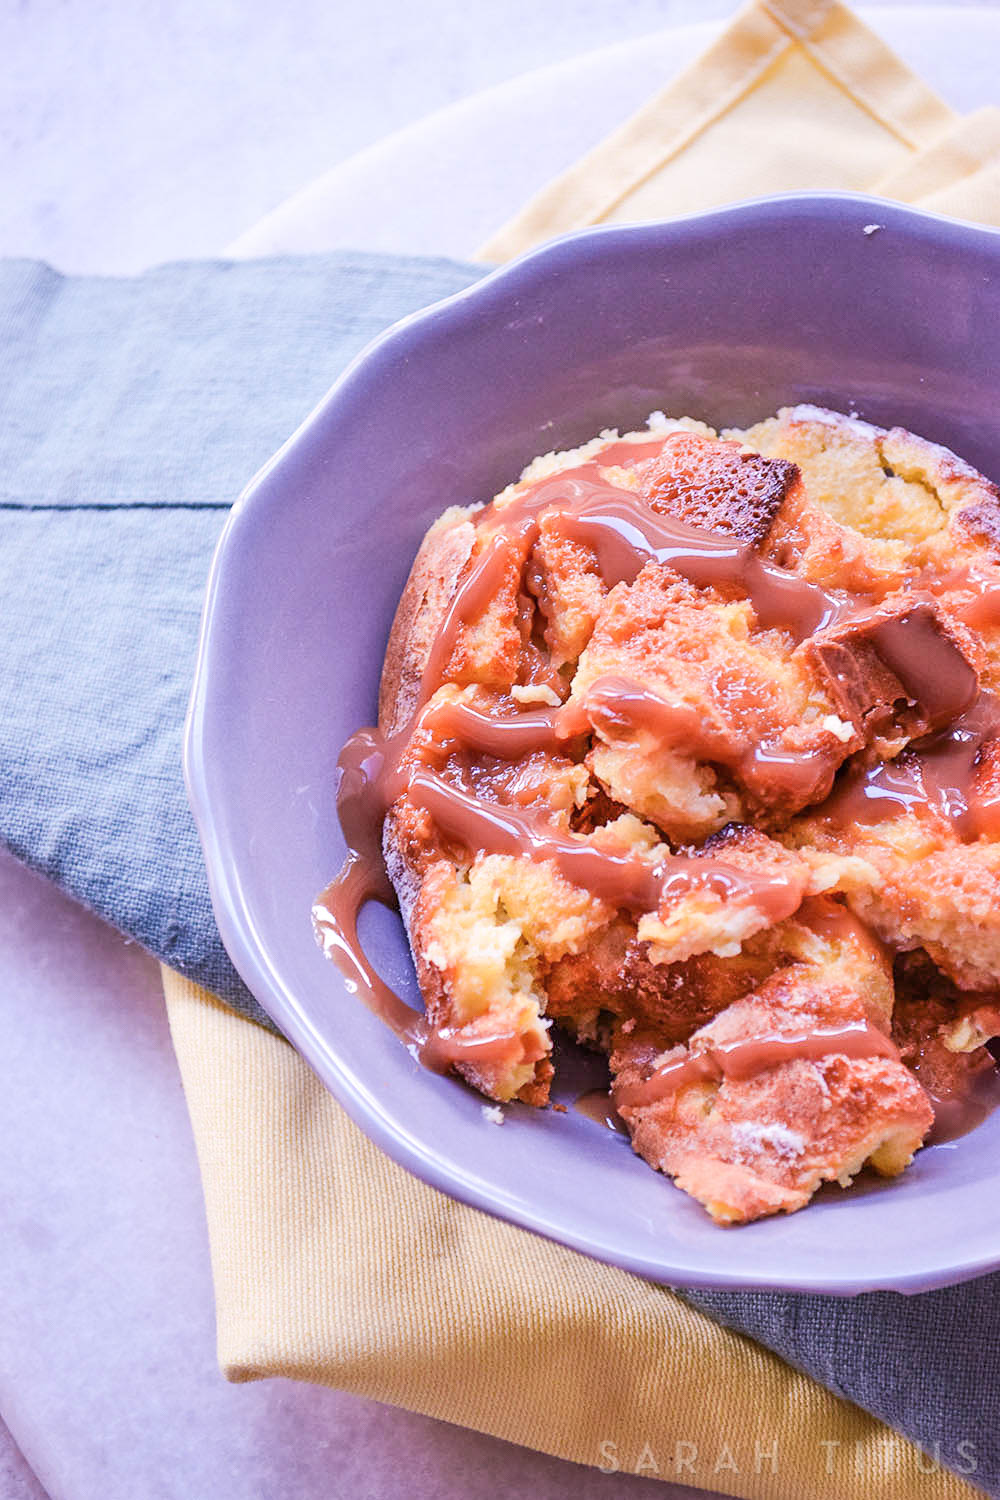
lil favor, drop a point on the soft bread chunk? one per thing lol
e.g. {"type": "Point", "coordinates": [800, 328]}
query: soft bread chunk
{"type": "Point", "coordinates": [923, 881]}
{"type": "Point", "coordinates": [887, 485]}
{"type": "Point", "coordinates": [613, 983]}
{"type": "Point", "coordinates": [934, 888]}
{"type": "Point", "coordinates": [569, 590]}
{"type": "Point", "coordinates": [611, 989]}
{"type": "Point", "coordinates": [479, 927]}
{"type": "Point", "coordinates": [699, 479]}
{"type": "Point", "coordinates": [748, 724]}
{"type": "Point", "coordinates": [479, 937]}
{"type": "Point", "coordinates": [708, 919]}
{"type": "Point", "coordinates": [886, 505]}
{"type": "Point", "coordinates": [927, 890]}
{"type": "Point", "coordinates": [749, 1146]}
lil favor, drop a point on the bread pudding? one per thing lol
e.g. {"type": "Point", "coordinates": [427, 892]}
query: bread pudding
{"type": "Point", "coordinates": [689, 744]}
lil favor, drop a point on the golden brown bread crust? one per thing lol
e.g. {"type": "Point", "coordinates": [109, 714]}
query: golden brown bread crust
{"type": "Point", "coordinates": [733, 489]}
{"type": "Point", "coordinates": [444, 552]}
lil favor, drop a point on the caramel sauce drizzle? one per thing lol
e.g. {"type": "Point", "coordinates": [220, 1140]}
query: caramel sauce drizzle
{"type": "Point", "coordinates": [614, 705]}
{"type": "Point", "coordinates": [931, 671]}
{"type": "Point", "coordinates": [747, 1056]}
{"type": "Point", "coordinates": [617, 707]}
{"type": "Point", "coordinates": [624, 534]}
{"type": "Point", "coordinates": [982, 611]}
{"type": "Point", "coordinates": [596, 1105]}
{"type": "Point", "coordinates": [624, 881]}
{"type": "Point", "coordinates": [980, 606]}
{"type": "Point", "coordinates": [936, 777]}
{"type": "Point", "coordinates": [834, 922]}
{"type": "Point", "coordinates": [962, 1099]}
{"type": "Point", "coordinates": [960, 1110]}
{"type": "Point", "coordinates": [505, 738]}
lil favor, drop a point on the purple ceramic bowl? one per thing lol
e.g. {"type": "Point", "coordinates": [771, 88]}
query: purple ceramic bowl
{"type": "Point", "coordinates": [725, 316]}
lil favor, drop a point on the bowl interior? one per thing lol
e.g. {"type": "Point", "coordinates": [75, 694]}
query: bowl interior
{"type": "Point", "coordinates": [724, 317]}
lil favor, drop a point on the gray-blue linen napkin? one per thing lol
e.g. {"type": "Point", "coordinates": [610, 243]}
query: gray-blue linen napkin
{"type": "Point", "coordinates": [132, 411]}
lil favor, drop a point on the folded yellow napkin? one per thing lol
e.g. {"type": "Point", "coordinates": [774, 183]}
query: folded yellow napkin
{"type": "Point", "coordinates": [331, 1263]}
{"type": "Point", "coordinates": [795, 94]}
{"type": "Point", "coordinates": [958, 173]}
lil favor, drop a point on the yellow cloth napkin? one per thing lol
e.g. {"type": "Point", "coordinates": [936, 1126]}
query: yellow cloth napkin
{"type": "Point", "coordinates": [332, 1264]}
{"type": "Point", "coordinates": [793, 95]}
{"type": "Point", "coordinates": [958, 173]}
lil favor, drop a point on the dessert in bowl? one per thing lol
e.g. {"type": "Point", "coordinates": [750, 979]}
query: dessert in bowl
{"type": "Point", "coordinates": [727, 317]}
{"type": "Point", "coordinates": [690, 746]}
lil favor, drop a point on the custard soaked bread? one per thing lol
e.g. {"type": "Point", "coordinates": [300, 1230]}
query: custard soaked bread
{"type": "Point", "coordinates": [927, 820]}
{"type": "Point", "coordinates": [690, 745]}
